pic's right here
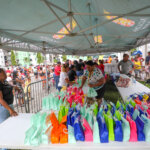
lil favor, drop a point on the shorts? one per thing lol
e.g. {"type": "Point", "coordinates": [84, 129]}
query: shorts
{"type": "Point", "coordinates": [100, 92]}
{"type": "Point", "coordinates": [35, 73]}
{"type": "Point", "coordinates": [137, 71]}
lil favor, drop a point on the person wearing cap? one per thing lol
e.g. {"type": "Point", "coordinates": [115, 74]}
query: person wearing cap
{"type": "Point", "coordinates": [57, 71]}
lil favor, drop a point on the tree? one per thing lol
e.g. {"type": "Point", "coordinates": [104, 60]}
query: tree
{"type": "Point", "coordinates": [26, 60]}
{"type": "Point", "coordinates": [64, 58]}
{"type": "Point", "coordinates": [40, 58]}
{"type": "Point", "coordinates": [77, 57]}
{"type": "Point", "coordinates": [89, 58]}
{"type": "Point", "coordinates": [55, 60]}
{"type": "Point", "coordinates": [13, 58]}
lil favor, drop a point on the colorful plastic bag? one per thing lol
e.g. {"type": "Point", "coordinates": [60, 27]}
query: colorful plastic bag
{"type": "Point", "coordinates": [118, 130]}
{"type": "Point", "coordinates": [109, 123]}
{"type": "Point", "coordinates": [140, 128]}
{"type": "Point", "coordinates": [71, 137]}
{"type": "Point", "coordinates": [146, 128]}
{"type": "Point", "coordinates": [133, 129]}
{"type": "Point", "coordinates": [91, 92]}
{"type": "Point", "coordinates": [103, 131]}
{"type": "Point", "coordinates": [88, 131]}
{"type": "Point", "coordinates": [96, 137]}
{"type": "Point", "coordinates": [126, 129]}
{"type": "Point", "coordinates": [78, 130]}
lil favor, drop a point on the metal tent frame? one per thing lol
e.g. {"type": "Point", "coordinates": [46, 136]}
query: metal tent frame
{"type": "Point", "coordinates": [9, 40]}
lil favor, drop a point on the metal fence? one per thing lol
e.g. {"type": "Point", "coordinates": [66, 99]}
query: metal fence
{"type": "Point", "coordinates": [36, 91]}
{"type": "Point", "coordinates": [19, 103]}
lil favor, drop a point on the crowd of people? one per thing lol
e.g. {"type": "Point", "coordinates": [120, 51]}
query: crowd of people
{"type": "Point", "coordinates": [135, 66]}
{"type": "Point", "coordinates": [64, 74]}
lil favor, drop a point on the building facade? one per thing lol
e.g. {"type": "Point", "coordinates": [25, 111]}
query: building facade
{"type": "Point", "coordinates": [2, 58]}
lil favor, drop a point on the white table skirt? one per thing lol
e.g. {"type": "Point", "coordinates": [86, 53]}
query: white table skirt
{"type": "Point", "coordinates": [134, 88]}
{"type": "Point", "coordinates": [12, 134]}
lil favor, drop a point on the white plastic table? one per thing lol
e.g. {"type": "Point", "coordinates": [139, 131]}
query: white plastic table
{"type": "Point", "coordinates": [132, 89]}
{"type": "Point", "coordinates": [12, 134]}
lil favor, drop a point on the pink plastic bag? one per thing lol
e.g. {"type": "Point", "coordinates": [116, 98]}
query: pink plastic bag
{"type": "Point", "coordinates": [133, 129]}
{"type": "Point", "coordinates": [88, 131]}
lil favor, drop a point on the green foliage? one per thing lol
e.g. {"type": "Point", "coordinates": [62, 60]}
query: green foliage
{"type": "Point", "coordinates": [55, 60]}
{"type": "Point", "coordinates": [27, 60]}
{"type": "Point", "coordinates": [40, 58]}
{"type": "Point", "coordinates": [77, 57]}
{"type": "Point", "coordinates": [13, 58]}
{"type": "Point", "coordinates": [89, 57]}
{"type": "Point", "coordinates": [64, 58]}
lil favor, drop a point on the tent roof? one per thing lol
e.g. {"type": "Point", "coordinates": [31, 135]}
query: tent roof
{"type": "Point", "coordinates": [77, 27]}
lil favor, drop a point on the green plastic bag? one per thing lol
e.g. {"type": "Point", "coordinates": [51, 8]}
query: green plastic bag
{"type": "Point", "coordinates": [96, 137]}
{"type": "Point", "coordinates": [91, 92]}
{"type": "Point", "coordinates": [132, 103]}
{"type": "Point", "coordinates": [118, 115]}
{"type": "Point", "coordinates": [36, 137]}
{"type": "Point", "coordinates": [110, 126]}
{"type": "Point", "coordinates": [135, 114]}
{"type": "Point", "coordinates": [28, 134]}
{"type": "Point", "coordinates": [89, 118]}
{"type": "Point", "coordinates": [126, 129]}
{"type": "Point", "coordinates": [71, 137]}
{"type": "Point", "coordinates": [95, 110]}
{"type": "Point", "coordinates": [146, 127]}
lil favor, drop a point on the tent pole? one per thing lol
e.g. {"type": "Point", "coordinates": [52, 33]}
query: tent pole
{"type": "Point", "coordinates": [112, 14]}
{"type": "Point", "coordinates": [56, 15]}
{"type": "Point", "coordinates": [45, 64]}
{"type": "Point", "coordinates": [105, 22]}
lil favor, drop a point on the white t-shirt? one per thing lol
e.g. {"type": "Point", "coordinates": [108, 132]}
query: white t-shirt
{"type": "Point", "coordinates": [9, 79]}
{"type": "Point", "coordinates": [62, 82]}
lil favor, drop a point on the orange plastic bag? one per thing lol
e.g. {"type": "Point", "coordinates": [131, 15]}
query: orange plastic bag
{"type": "Point", "coordinates": [137, 101]}
{"type": "Point", "coordinates": [64, 119]}
{"type": "Point", "coordinates": [63, 134]}
{"type": "Point", "coordinates": [55, 135]}
{"type": "Point", "coordinates": [54, 120]}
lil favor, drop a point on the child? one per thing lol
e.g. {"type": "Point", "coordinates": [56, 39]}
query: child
{"type": "Point", "coordinates": [147, 71]}
{"type": "Point", "coordinates": [143, 74]}
{"type": "Point", "coordinates": [27, 82]}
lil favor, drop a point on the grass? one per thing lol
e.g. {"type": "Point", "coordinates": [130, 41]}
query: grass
{"type": "Point", "coordinates": [144, 83]}
{"type": "Point", "coordinates": [111, 92]}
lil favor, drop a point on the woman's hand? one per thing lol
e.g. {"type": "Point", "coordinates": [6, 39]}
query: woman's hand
{"type": "Point", "coordinates": [13, 113]}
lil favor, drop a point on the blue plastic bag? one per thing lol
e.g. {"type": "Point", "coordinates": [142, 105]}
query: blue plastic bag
{"type": "Point", "coordinates": [118, 130]}
{"type": "Point", "coordinates": [78, 130]}
{"type": "Point", "coordinates": [71, 110]}
{"type": "Point", "coordinates": [140, 128]}
{"type": "Point", "coordinates": [74, 116]}
{"type": "Point", "coordinates": [103, 131]}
